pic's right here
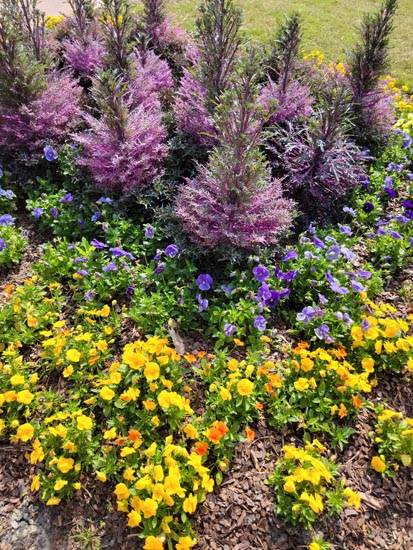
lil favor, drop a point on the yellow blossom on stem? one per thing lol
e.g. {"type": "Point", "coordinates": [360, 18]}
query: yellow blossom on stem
{"type": "Point", "coordinates": [121, 491]}
{"type": "Point", "coordinates": [378, 464]}
{"type": "Point", "coordinates": [25, 432]}
{"type": "Point", "coordinates": [153, 543]}
{"type": "Point", "coordinates": [245, 387]}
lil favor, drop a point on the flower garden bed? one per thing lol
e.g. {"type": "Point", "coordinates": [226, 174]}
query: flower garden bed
{"type": "Point", "coordinates": [206, 318]}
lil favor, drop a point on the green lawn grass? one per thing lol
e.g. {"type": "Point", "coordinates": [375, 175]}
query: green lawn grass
{"type": "Point", "coordinates": [329, 25]}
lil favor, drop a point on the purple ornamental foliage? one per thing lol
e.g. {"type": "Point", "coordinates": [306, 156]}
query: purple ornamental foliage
{"type": "Point", "coordinates": [378, 110]}
{"type": "Point", "coordinates": [229, 330]}
{"type": "Point", "coordinates": [50, 117]}
{"type": "Point", "coordinates": [191, 114]}
{"type": "Point", "coordinates": [166, 35]}
{"type": "Point", "coordinates": [209, 215]}
{"type": "Point", "coordinates": [171, 250]}
{"type": "Point", "coordinates": [151, 77]}
{"type": "Point", "coordinates": [86, 57]}
{"type": "Point", "coordinates": [286, 105]}
{"type": "Point", "coordinates": [204, 281]}
{"type": "Point", "coordinates": [130, 156]}
{"type": "Point", "coordinates": [260, 323]}
{"type": "Point", "coordinates": [261, 273]}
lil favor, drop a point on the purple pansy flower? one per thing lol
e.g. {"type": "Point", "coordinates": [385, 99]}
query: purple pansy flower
{"type": "Point", "coordinates": [261, 273]}
{"type": "Point", "coordinates": [49, 153]}
{"type": "Point", "coordinates": [368, 207]}
{"type": "Point", "coordinates": [203, 303]}
{"type": "Point", "coordinates": [119, 252]}
{"type": "Point", "coordinates": [171, 250]}
{"type": "Point", "coordinates": [37, 212]}
{"type": "Point", "coordinates": [105, 200]}
{"type": "Point", "coordinates": [158, 269]}
{"type": "Point", "coordinates": [3, 245]}
{"type": "Point", "coordinates": [98, 244]}
{"type": "Point", "coordinates": [67, 198]}
{"type": "Point", "coordinates": [110, 267]}
{"type": "Point", "coordinates": [260, 323]}
{"type": "Point", "coordinates": [204, 281]}
{"type": "Point", "coordinates": [130, 291]}
{"type": "Point", "coordinates": [290, 255]}
{"type": "Point", "coordinates": [229, 330]}
{"type": "Point", "coordinates": [358, 287]}
{"type": "Point", "coordinates": [89, 295]}
{"type": "Point", "coordinates": [6, 219]}
{"type": "Point", "coordinates": [149, 232]}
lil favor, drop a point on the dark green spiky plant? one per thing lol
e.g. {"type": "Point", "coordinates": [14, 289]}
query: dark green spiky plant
{"type": "Point", "coordinates": [118, 27]}
{"type": "Point", "coordinates": [153, 14]}
{"type": "Point", "coordinates": [84, 12]}
{"type": "Point", "coordinates": [22, 74]}
{"type": "Point", "coordinates": [368, 61]}
{"type": "Point", "coordinates": [285, 50]}
{"type": "Point", "coordinates": [219, 40]}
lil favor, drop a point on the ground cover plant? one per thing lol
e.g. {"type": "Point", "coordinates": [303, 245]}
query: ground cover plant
{"type": "Point", "coordinates": [195, 187]}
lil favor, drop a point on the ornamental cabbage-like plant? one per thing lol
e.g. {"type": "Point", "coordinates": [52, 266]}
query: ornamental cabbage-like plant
{"type": "Point", "coordinates": [124, 148]}
{"type": "Point", "coordinates": [317, 160]}
{"type": "Point", "coordinates": [233, 200]}
{"type": "Point", "coordinates": [285, 96]}
{"type": "Point", "coordinates": [83, 50]}
{"type": "Point", "coordinates": [218, 45]}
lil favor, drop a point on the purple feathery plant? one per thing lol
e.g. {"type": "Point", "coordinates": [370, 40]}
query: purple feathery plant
{"type": "Point", "coordinates": [218, 45]}
{"type": "Point", "coordinates": [191, 112]}
{"type": "Point", "coordinates": [50, 117]}
{"type": "Point", "coordinates": [233, 200]}
{"type": "Point", "coordinates": [124, 148]}
{"type": "Point", "coordinates": [150, 78]}
{"type": "Point", "coordinates": [84, 50]}
{"type": "Point", "coordinates": [284, 96]}
{"type": "Point", "coordinates": [317, 160]}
